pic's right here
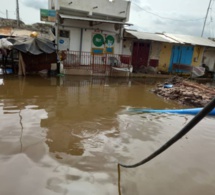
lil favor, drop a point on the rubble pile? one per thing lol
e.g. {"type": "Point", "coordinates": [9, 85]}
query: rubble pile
{"type": "Point", "coordinates": [186, 92]}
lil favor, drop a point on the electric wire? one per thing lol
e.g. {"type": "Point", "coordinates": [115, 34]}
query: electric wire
{"type": "Point", "coordinates": [212, 23]}
{"type": "Point", "coordinates": [167, 18]}
{"type": "Point", "coordinates": [208, 108]}
{"type": "Point", "coordinates": [2, 13]}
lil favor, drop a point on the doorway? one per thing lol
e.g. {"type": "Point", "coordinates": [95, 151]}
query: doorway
{"type": "Point", "coordinates": [140, 54]}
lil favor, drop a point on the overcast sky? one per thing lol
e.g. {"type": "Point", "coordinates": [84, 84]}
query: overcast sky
{"type": "Point", "coordinates": [171, 16]}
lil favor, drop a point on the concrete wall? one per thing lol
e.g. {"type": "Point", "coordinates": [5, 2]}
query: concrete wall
{"type": "Point", "coordinates": [209, 58]}
{"type": "Point", "coordinates": [117, 9]}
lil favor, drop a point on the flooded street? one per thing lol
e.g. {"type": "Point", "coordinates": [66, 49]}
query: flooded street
{"type": "Point", "coordinates": [65, 136]}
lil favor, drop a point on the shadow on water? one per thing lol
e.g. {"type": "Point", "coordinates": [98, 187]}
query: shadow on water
{"type": "Point", "coordinates": [66, 134]}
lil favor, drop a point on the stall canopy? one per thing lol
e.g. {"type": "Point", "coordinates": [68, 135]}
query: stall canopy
{"type": "Point", "coordinates": [33, 45]}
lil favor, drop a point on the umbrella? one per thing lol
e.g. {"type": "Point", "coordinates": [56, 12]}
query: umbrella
{"type": "Point", "coordinates": [33, 45]}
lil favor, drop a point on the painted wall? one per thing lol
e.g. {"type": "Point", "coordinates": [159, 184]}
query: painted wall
{"type": "Point", "coordinates": [87, 40]}
{"type": "Point", "coordinates": [163, 52]}
{"type": "Point", "coordinates": [165, 55]}
{"type": "Point", "coordinates": [155, 50]}
{"type": "Point", "coordinates": [127, 47]}
{"type": "Point", "coordinates": [197, 55]}
{"type": "Point", "coordinates": [158, 51]}
{"type": "Point", "coordinates": [154, 54]}
{"type": "Point", "coordinates": [74, 27]}
{"type": "Point", "coordinates": [166, 52]}
{"type": "Point", "coordinates": [75, 39]}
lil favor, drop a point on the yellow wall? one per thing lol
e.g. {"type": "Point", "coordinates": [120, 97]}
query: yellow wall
{"type": "Point", "coordinates": [165, 56]}
{"type": "Point", "coordinates": [197, 55]}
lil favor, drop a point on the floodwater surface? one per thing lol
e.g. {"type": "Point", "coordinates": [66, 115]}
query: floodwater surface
{"type": "Point", "coordinates": [65, 136]}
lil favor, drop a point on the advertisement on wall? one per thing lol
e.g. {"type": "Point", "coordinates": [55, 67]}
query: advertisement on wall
{"type": "Point", "coordinates": [102, 43]}
{"type": "Point", "coordinates": [109, 44]}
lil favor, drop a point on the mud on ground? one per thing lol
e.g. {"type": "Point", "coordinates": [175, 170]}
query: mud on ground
{"type": "Point", "coordinates": [186, 92]}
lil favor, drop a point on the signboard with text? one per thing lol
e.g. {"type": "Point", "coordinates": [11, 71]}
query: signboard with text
{"type": "Point", "coordinates": [47, 15]}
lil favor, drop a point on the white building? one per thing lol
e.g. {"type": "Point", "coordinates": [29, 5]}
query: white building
{"type": "Point", "coordinates": [90, 28]}
{"type": "Point", "coordinates": [83, 25]}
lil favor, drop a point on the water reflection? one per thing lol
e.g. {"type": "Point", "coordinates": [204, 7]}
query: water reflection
{"type": "Point", "coordinates": [67, 134]}
{"type": "Point", "coordinates": [1, 81]}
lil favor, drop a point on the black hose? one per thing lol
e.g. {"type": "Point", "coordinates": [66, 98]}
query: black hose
{"type": "Point", "coordinates": [208, 108]}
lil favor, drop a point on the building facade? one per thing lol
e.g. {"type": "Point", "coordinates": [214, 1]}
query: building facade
{"type": "Point", "coordinates": [90, 32]}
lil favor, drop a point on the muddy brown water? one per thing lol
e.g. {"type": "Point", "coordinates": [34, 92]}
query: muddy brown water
{"type": "Point", "coordinates": [65, 136]}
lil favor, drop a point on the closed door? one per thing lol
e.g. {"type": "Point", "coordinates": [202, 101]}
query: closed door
{"type": "Point", "coordinates": [181, 55]}
{"type": "Point", "coordinates": [140, 54]}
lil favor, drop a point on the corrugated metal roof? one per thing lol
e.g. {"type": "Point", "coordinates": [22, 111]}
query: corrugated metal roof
{"type": "Point", "coordinates": [173, 38]}
{"type": "Point", "coordinates": [193, 40]}
{"type": "Point", "coordinates": [7, 31]}
{"type": "Point", "coordinates": [151, 36]}
{"type": "Point", "coordinates": [92, 19]}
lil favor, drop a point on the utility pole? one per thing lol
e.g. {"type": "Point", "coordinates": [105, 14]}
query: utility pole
{"type": "Point", "coordinates": [17, 13]}
{"type": "Point", "coordinates": [6, 13]}
{"type": "Point", "coordinates": [206, 18]}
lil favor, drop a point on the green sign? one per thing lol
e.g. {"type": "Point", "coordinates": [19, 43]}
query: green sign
{"type": "Point", "coordinates": [47, 15]}
{"type": "Point", "coordinates": [98, 40]}
{"type": "Point", "coordinates": [109, 40]}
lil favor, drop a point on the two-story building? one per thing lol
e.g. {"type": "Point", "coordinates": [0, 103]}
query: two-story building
{"type": "Point", "coordinates": [91, 34]}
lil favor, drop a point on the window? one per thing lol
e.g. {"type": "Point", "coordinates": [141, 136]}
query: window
{"type": "Point", "coordinates": [64, 33]}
